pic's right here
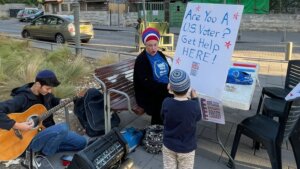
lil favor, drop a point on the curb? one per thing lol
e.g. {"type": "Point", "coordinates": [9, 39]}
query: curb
{"type": "Point", "coordinates": [111, 28]}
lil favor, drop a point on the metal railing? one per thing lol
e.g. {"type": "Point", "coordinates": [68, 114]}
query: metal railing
{"type": "Point", "coordinates": [83, 51]}
{"type": "Point", "coordinates": [266, 51]}
{"type": "Point", "coordinates": [283, 51]}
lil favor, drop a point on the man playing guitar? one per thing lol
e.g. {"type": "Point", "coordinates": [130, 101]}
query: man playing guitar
{"type": "Point", "coordinates": [36, 131]}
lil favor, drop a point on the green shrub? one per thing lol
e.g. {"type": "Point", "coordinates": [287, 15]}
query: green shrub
{"type": "Point", "coordinates": [19, 65]}
{"type": "Point", "coordinates": [108, 58]}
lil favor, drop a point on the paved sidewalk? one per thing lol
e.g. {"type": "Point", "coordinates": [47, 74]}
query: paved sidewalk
{"type": "Point", "coordinates": [209, 154]}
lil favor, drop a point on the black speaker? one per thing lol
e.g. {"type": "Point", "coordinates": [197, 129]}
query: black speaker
{"type": "Point", "coordinates": [105, 152]}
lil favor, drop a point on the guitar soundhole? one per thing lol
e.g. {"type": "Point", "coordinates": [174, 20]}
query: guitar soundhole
{"type": "Point", "coordinates": [35, 120]}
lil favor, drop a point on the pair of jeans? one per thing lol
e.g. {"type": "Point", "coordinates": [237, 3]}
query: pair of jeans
{"type": "Point", "coordinates": [57, 138]}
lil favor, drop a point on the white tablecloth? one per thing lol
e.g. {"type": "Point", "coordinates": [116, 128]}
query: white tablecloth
{"type": "Point", "coordinates": [240, 96]}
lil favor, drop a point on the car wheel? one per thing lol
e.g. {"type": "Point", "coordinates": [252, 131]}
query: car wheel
{"type": "Point", "coordinates": [25, 34]}
{"type": "Point", "coordinates": [59, 38]}
{"type": "Point", "coordinates": [85, 40]}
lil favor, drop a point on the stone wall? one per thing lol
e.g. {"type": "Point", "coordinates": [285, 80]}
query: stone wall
{"type": "Point", "coordinates": [104, 18]}
{"type": "Point", "coordinates": [4, 9]}
{"type": "Point", "coordinates": [271, 22]}
{"type": "Point", "coordinates": [96, 17]}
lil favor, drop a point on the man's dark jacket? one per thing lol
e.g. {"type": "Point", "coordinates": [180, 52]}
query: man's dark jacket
{"type": "Point", "coordinates": [23, 98]}
{"type": "Point", "coordinates": [149, 93]}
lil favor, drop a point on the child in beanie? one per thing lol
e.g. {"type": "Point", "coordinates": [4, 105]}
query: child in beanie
{"type": "Point", "coordinates": [180, 115]}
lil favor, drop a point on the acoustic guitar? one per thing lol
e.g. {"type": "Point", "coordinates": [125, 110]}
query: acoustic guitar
{"type": "Point", "coordinates": [14, 142]}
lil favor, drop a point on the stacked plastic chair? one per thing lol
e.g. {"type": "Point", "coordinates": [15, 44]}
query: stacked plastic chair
{"type": "Point", "coordinates": [270, 132]}
{"type": "Point", "coordinates": [291, 80]}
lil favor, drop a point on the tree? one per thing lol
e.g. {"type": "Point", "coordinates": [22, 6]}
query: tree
{"type": "Point", "coordinates": [284, 6]}
{"type": "Point", "coordinates": [29, 2]}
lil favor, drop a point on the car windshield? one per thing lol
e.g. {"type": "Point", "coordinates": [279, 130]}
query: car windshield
{"type": "Point", "coordinates": [20, 12]}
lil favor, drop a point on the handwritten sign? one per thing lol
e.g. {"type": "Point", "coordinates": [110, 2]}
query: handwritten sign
{"type": "Point", "coordinates": [205, 45]}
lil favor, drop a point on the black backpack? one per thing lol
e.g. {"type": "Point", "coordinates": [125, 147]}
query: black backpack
{"type": "Point", "coordinates": [89, 110]}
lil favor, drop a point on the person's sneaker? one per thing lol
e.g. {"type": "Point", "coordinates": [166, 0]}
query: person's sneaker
{"type": "Point", "coordinates": [26, 164]}
{"type": "Point", "coordinates": [26, 161]}
{"type": "Point", "coordinates": [41, 161]}
{"type": "Point", "coordinates": [36, 163]}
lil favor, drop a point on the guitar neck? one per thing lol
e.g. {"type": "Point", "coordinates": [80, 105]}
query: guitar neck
{"type": "Point", "coordinates": [54, 109]}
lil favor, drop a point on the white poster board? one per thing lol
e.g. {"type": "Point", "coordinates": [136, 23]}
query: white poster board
{"type": "Point", "coordinates": [205, 45]}
{"type": "Point", "coordinates": [294, 94]}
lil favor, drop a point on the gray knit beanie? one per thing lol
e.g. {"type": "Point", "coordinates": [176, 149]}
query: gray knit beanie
{"type": "Point", "coordinates": [179, 80]}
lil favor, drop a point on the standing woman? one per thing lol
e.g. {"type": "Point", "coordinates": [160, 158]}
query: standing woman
{"type": "Point", "coordinates": [151, 76]}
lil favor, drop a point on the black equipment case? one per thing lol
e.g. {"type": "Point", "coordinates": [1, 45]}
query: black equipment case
{"type": "Point", "coordinates": [103, 153]}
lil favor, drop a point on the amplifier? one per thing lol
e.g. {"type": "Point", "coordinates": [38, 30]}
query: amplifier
{"type": "Point", "coordinates": [105, 152]}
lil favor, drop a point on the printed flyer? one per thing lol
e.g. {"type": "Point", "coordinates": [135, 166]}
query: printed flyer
{"type": "Point", "coordinates": [212, 110]}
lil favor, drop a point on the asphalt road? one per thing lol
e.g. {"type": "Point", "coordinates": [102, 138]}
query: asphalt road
{"type": "Point", "coordinates": [123, 40]}
{"type": "Point", "coordinates": [102, 38]}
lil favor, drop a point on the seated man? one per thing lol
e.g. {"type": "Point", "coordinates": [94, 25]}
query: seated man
{"type": "Point", "coordinates": [54, 138]}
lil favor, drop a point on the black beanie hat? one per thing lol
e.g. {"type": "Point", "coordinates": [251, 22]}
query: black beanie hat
{"type": "Point", "coordinates": [47, 77]}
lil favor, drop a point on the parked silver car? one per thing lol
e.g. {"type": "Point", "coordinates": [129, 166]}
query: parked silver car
{"type": "Point", "coordinates": [28, 14]}
{"type": "Point", "coordinates": [58, 28]}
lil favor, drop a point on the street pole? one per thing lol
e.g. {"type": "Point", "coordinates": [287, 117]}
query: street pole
{"type": "Point", "coordinates": [77, 27]}
{"type": "Point", "coordinates": [118, 13]}
{"type": "Point", "coordinates": [144, 11]}
{"type": "Point", "coordinates": [167, 10]}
